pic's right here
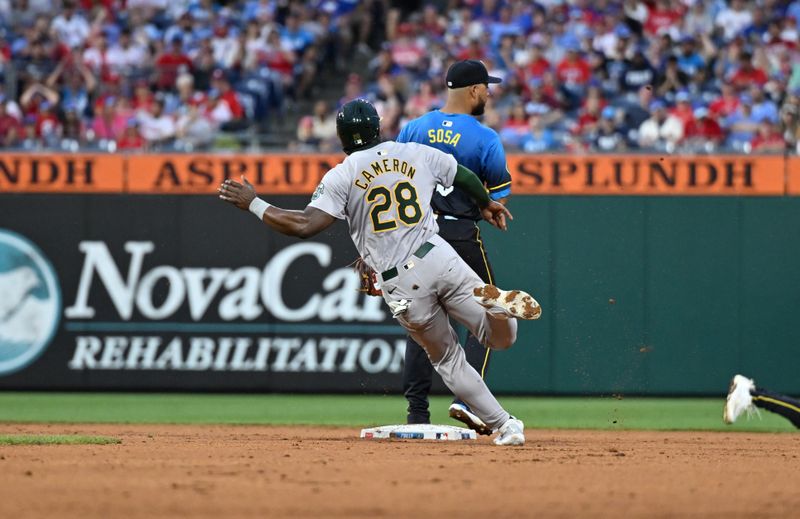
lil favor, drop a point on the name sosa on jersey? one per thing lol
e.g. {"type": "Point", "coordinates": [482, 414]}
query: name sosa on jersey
{"type": "Point", "coordinates": [444, 136]}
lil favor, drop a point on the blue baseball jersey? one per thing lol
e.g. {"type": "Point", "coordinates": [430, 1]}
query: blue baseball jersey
{"type": "Point", "coordinates": [474, 146]}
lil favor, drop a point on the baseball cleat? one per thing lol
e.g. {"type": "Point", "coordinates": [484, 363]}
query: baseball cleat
{"type": "Point", "coordinates": [463, 413]}
{"type": "Point", "coordinates": [739, 399]}
{"type": "Point", "coordinates": [511, 433]}
{"type": "Point", "coordinates": [513, 303]}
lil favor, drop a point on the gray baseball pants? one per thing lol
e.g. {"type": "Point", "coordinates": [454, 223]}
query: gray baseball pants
{"type": "Point", "coordinates": [440, 286]}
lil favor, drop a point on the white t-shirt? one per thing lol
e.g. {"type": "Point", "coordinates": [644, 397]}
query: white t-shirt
{"type": "Point", "coordinates": [384, 193]}
{"type": "Point", "coordinates": [734, 22]}
{"type": "Point", "coordinates": [156, 128]}
{"type": "Point", "coordinates": [73, 32]}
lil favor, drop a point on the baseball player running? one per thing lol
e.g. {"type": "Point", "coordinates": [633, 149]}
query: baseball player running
{"type": "Point", "coordinates": [454, 130]}
{"type": "Point", "coordinates": [383, 190]}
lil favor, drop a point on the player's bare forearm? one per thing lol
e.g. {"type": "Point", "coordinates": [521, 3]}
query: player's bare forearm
{"type": "Point", "coordinates": [302, 224]}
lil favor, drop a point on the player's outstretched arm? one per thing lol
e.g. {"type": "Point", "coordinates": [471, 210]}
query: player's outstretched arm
{"type": "Point", "coordinates": [302, 224]}
{"type": "Point", "coordinates": [493, 212]}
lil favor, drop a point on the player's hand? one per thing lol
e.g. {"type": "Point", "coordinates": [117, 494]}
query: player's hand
{"type": "Point", "coordinates": [237, 194]}
{"type": "Point", "coordinates": [496, 213]}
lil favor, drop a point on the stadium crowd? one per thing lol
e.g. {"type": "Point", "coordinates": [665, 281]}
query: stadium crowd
{"type": "Point", "coordinates": [600, 75]}
{"type": "Point", "coordinates": [157, 74]}
{"type": "Point", "coordinates": [579, 75]}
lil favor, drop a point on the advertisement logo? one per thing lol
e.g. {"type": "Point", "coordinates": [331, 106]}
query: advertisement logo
{"type": "Point", "coordinates": [30, 301]}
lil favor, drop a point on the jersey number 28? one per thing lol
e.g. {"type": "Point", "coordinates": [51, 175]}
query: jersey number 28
{"type": "Point", "coordinates": [405, 198]}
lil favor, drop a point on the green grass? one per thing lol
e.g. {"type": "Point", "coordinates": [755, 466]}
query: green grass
{"type": "Point", "coordinates": [55, 439]}
{"type": "Point", "coordinates": [359, 411]}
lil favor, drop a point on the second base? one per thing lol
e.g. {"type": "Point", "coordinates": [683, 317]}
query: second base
{"type": "Point", "coordinates": [418, 432]}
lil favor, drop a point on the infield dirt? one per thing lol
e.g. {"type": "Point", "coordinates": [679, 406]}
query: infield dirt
{"type": "Point", "coordinates": [257, 471]}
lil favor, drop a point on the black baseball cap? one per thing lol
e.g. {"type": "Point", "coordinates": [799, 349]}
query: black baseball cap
{"type": "Point", "coordinates": [467, 73]}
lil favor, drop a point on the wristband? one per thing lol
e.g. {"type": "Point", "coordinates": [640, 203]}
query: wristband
{"type": "Point", "coordinates": [258, 207]}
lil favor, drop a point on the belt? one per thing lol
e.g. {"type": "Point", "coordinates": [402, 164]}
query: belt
{"type": "Point", "coordinates": [421, 252]}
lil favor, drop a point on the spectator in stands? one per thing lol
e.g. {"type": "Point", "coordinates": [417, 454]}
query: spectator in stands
{"type": "Point", "coordinates": [131, 139]}
{"type": "Point", "coordinates": [515, 127]}
{"type": "Point", "coordinates": [157, 128]}
{"type": "Point", "coordinates": [690, 61]}
{"type": "Point", "coordinates": [769, 139]}
{"type": "Point", "coordinates": [109, 123]}
{"type": "Point", "coordinates": [638, 73]}
{"type": "Point", "coordinates": [683, 110]}
{"type": "Point", "coordinates": [608, 137]}
{"type": "Point", "coordinates": [69, 27]}
{"type": "Point", "coordinates": [703, 132]}
{"type": "Point", "coordinates": [672, 78]}
{"type": "Point", "coordinates": [574, 73]}
{"type": "Point", "coordinates": [747, 75]}
{"type": "Point", "coordinates": [734, 19]}
{"type": "Point", "coordinates": [423, 101]}
{"type": "Point", "coordinates": [221, 86]}
{"type": "Point", "coordinates": [742, 126]}
{"type": "Point", "coordinates": [170, 63]}
{"type": "Point", "coordinates": [126, 56]}
{"type": "Point", "coordinates": [727, 103]}
{"type": "Point", "coordinates": [661, 131]}
{"type": "Point", "coordinates": [540, 139]}
{"type": "Point", "coordinates": [10, 128]}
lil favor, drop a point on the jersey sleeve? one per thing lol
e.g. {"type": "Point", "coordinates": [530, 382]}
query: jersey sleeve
{"type": "Point", "coordinates": [405, 133]}
{"type": "Point", "coordinates": [331, 193]}
{"type": "Point", "coordinates": [495, 169]}
{"type": "Point", "coordinates": [442, 165]}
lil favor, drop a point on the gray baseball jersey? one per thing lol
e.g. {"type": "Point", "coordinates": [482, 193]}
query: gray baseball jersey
{"type": "Point", "coordinates": [384, 193]}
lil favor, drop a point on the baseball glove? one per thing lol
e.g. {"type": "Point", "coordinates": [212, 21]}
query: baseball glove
{"type": "Point", "coordinates": [368, 277]}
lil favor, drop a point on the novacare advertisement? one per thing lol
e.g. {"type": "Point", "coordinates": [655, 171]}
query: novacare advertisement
{"type": "Point", "coordinates": [143, 292]}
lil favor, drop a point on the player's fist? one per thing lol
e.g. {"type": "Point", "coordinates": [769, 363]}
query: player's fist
{"type": "Point", "coordinates": [496, 213]}
{"type": "Point", "coordinates": [237, 194]}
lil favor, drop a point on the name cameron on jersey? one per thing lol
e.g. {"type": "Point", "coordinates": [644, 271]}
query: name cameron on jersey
{"type": "Point", "coordinates": [379, 167]}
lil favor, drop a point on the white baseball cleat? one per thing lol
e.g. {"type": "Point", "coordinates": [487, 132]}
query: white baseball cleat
{"type": "Point", "coordinates": [739, 398]}
{"type": "Point", "coordinates": [513, 303]}
{"type": "Point", "coordinates": [511, 433]}
{"type": "Point", "coordinates": [463, 413]}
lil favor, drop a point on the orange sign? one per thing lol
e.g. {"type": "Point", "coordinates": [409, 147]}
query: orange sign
{"type": "Point", "coordinates": [61, 173]}
{"type": "Point", "coordinates": [793, 176]}
{"type": "Point", "coordinates": [202, 174]}
{"type": "Point", "coordinates": [646, 175]}
{"type": "Point", "coordinates": [299, 174]}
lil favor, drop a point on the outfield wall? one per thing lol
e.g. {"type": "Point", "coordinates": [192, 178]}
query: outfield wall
{"type": "Point", "coordinates": [657, 276]}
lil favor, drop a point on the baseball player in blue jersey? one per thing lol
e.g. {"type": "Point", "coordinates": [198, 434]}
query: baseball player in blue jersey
{"type": "Point", "coordinates": [455, 131]}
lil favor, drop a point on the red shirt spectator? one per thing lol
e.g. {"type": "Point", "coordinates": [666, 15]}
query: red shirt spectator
{"type": "Point", "coordinates": [170, 63]}
{"type": "Point", "coordinates": [747, 75]}
{"type": "Point", "coordinates": [131, 140]}
{"type": "Point", "coordinates": [683, 110]}
{"type": "Point", "coordinates": [46, 122]}
{"type": "Point", "coordinates": [227, 94]}
{"type": "Point", "coordinates": [10, 129]}
{"type": "Point", "coordinates": [769, 138]}
{"type": "Point", "coordinates": [726, 104]}
{"type": "Point", "coordinates": [538, 65]}
{"type": "Point", "coordinates": [662, 17]}
{"type": "Point", "coordinates": [745, 78]}
{"type": "Point", "coordinates": [704, 127]}
{"type": "Point", "coordinates": [573, 70]}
